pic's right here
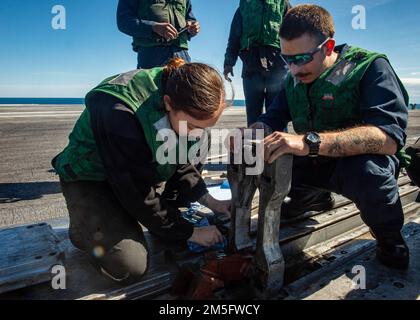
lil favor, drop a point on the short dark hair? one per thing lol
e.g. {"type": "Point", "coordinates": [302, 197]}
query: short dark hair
{"type": "Point", "coordinates": [307, 19]}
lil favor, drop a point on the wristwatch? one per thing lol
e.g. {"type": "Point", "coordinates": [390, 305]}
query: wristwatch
{"type": "Point", "coordinates": [313, 140]}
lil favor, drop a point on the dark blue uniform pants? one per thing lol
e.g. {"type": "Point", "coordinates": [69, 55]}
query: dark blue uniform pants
{"type": "Point", "coordinates": [368, 180]}
{"type": "Point", "coordinates": [260, 89]}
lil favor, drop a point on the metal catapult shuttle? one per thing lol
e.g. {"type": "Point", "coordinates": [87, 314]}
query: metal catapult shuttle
{"type": "Point", "coordinates": [274, 185]}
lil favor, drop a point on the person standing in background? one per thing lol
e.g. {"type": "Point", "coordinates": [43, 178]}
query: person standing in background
{"type": "Point", "coordinates": [254, 37]}
{"type": "Point", "coordinates": [160, 29]}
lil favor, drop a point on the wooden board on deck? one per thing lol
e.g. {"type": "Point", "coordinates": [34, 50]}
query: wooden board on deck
{"type": "Point", "coordinates": [83, 281]}
{"type": "Point", "coordinates": [27, 255]}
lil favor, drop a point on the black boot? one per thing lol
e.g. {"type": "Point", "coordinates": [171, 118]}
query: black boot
{"type": "Point", "coordinates": [304, 200]}
{"type": "Point", "coordinates": [391, 250]}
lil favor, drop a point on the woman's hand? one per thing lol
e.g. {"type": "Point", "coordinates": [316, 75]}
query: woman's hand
{"type": "Point", "coordinates": [206, 236]}
{"type": "Point", "coordinates": [220, 206]}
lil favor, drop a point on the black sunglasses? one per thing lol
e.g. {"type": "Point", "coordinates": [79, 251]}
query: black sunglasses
{"type": "Point", "coordinates": [303, 58]}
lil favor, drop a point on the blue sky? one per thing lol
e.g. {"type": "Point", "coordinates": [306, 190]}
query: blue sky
{"type": "Point", "coordinates": [37, 61]}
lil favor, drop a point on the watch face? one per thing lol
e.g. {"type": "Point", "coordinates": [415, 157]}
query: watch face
{"type": "Point", "coordinates": [312, 137]}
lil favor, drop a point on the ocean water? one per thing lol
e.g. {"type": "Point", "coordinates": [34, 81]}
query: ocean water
{"type": "Point", "coordinates": [42, 100]}
{"type": "Point", "coordinates": [237, 103]}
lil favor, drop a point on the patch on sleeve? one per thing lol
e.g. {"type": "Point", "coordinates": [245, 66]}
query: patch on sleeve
{"type": "Point", "coordinates": [341, 71]}
{"type": "Point", "coordinates": [124, 78]}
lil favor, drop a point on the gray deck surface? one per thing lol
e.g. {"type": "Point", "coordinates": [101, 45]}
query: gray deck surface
{"type": "Point", "coordinates": [29, 190]}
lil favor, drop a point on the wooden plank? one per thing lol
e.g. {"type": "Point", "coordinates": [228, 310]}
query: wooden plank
{"type": "Point", "coordinates": [84, 280]}
{"type": "Point", "coordinates": [27, 255]}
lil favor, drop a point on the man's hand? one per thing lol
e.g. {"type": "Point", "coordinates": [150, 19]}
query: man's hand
{"type": "Point", "coordinates": [165, 30]}
{"type": "Point", "coordinates": [193, 28]}
{"type": "Point", "coordinates": [206, 236]}
{"type": "Point", "coordinates": [347, 143]}
{"type": "Point", "coordinates": [234, 145]}
{"type": "Point", "coordinates": [280, 143]}
{"type": "Point", "coordinates": [226, 71]}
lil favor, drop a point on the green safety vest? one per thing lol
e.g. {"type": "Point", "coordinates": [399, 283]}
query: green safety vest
{"type": "Point", "coordinates": [332, 102]}
{"type": "Point", "coordinates": [141, 90]}
{"type": "Point", "coordinates": [172, 11]}
{"type": "Point", "coordinates": [261, 22]}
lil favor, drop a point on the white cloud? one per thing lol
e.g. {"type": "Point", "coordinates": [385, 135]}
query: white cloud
{"type": "Point", "coordinates": [413, 87]}
{"type": "Point", "coordinates": [411, 81]}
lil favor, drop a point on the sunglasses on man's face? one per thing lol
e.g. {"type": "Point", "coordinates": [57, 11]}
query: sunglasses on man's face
{"type": "Point", "coordinates": [303, 58]}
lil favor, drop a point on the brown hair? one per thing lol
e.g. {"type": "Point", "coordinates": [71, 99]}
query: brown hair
{"type": "Point", "coordinates": [307, 19]}
{"type": "Point", "coordinates": [195, 88]}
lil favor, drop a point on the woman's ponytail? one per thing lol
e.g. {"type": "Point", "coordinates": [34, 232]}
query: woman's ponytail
{"type": "Point", "coordinates": [173, 64]}
{"type": "Point", "coordinates": [195, 88]}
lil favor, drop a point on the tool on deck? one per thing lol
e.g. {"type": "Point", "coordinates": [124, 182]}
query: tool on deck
{"type": "Point", "coordinates": [218, 271]}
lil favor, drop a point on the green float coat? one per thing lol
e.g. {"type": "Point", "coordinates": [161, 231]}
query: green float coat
{"type": "Point", "coordinates": [261, 22]}
{"type": "Point", "coordinates": [171, 11]}
{"type": "Point", "coordinates": [141, 90]}
{"type": "Point", "coordinates": [332, 102]}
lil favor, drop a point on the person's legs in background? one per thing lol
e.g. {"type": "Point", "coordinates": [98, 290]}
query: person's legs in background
{"type": "Point", "coordinates": [413, 169]}
{"type": "Point", "coordinates": [179, 53]}
{"type": "Point", "coordinates": [148, 58]}
{"type": "Point", "coordinates": [274, 83]}
{"type": "Point", "coordinates": [254, 90]}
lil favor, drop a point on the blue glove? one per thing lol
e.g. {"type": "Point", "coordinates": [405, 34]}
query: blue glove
{"type": "Point", "coordinates": [225, 185]}
{"type": "Point", "coordinates": [196, 248]}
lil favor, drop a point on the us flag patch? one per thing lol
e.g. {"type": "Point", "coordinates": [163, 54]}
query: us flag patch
{"type": "Point", "coordinates": [328, 97]}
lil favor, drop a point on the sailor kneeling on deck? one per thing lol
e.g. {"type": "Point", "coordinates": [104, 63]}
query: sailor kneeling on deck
{"type": "Point", "coordinates": [110, 170]}
{"type": "Point", "coordinates": [349, 111]}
